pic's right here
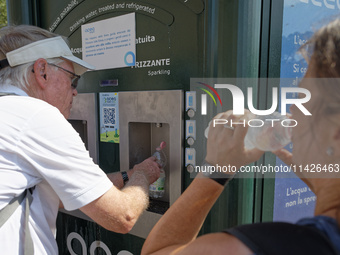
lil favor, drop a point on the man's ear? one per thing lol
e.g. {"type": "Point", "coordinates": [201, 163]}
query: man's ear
{"type": "Point", "coordinates": [40, 73]}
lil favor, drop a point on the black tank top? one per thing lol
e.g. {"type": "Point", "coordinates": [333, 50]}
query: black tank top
{"type": "Point", "coordinates": [278, 238]}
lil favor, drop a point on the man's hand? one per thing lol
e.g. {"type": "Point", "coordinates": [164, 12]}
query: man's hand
{"type": "Point", "coordinates": [150, 168]}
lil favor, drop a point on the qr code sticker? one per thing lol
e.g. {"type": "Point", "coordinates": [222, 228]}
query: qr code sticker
{"type": "Point", "coordinates": [109, 115]}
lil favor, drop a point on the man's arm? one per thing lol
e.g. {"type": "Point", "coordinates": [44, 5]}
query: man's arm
{"type": "Point", "coordinates": [118, 210]}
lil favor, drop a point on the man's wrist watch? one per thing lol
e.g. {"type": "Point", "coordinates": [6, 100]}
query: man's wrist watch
{"type": "Point", "coordinates": [125, 177]}
{"type": "Point", "coordinates": [212, 172]}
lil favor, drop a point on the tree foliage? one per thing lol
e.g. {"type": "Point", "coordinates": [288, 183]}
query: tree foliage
{"type": "Point", "coordinates": [3, 13]}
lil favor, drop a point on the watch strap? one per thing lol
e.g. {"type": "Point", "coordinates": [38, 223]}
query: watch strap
{"type": "Point", "coordinates": [219, 177]}
{"type": "Point", "coordinates": [125, 177]}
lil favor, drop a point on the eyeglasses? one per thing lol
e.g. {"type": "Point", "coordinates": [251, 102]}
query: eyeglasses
{"type": "Point", "coordinates": [76, 77]}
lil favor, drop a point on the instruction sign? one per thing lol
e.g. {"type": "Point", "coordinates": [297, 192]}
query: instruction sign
{"type": "Point", "coordinates": [110, 43]}
{"type": "Point", "coordinates": [109, 117]}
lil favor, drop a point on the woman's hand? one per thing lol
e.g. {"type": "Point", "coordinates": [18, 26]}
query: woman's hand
{"type": "Point", "coordinates": [225, 146]}
{"type": "Point", "coordinates": [285, 156]}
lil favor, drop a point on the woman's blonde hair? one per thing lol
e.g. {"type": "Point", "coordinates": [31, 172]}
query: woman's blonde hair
{"type": "Point", "coordinates": [323, 52]}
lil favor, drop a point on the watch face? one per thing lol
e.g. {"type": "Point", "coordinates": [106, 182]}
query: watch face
{"type": "Point", "coordinates": [125, 177]}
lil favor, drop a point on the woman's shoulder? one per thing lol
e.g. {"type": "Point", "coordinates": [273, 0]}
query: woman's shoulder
{"type": "Point", "coordinates": [285, 238]}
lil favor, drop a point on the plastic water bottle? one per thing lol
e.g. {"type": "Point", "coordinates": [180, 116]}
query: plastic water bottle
{"type": "Point", "coordinates": [267, 133]}
{"type": "Point", "coordinates": [156, 189]}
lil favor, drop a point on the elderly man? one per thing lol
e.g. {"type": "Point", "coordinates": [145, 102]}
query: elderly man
{"type": "Point", "coordinates": [41, 155]}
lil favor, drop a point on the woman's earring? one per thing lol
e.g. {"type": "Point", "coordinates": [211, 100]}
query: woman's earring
{"type": "Point", "coordinates": [330, 151]}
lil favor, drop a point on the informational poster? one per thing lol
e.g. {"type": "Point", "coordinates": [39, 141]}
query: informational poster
{"type": "Point", "coordinates": [301, 18]}
{"type": "Point", "coordinates": [110, 43]}
{"type": "Point", "coordinates": [109, 117]}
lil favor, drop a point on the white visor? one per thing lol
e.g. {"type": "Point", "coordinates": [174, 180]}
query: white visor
{"type": "Point", "coordinates": [54, 47]}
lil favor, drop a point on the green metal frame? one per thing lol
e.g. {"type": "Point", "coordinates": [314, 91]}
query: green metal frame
{"type": "Point", "coordinates": [269, 67]}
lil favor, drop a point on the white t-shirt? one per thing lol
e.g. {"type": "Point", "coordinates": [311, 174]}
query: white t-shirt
{"type": "Point", "coordinates": [38, 147]}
